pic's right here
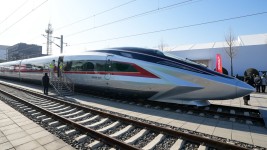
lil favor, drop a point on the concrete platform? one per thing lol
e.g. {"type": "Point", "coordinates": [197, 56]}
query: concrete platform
{"type": "Point", "coordinates": [228, 129]}
{"type": "Point", "coordinates": [17, 132]}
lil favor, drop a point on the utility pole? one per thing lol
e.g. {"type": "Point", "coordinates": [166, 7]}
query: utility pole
{"type": "Point", "coordinates": [61, 43]}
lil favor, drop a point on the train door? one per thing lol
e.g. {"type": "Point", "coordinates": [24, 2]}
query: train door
{"type": "Point", "coordinates": [108, 67]}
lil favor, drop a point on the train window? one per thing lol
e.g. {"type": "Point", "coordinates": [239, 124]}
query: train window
{"type": "Point", "coordinates": [87, 66]}
{"type": "Point", "coordinates": [76, 65]}
{"type": "Point", "coordinates": [123, 67]}
{"type": "Point", "coordinates": [100, 65]}
{"type": "Point", "coordinates": [68, 66]}
{"type": "Point", "coordinates": [28, 66]}
{"type": "Point", "coordinates": [79, 65]}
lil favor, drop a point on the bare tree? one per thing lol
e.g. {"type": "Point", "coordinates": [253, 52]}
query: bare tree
{"type": "Point", "coordinates": [231, 47]}
{"type": "Point", "coordinates": [162, 46]}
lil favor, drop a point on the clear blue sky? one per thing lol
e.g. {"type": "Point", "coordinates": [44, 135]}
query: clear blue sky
{"type": "Point", "coordinates": [25, 21]}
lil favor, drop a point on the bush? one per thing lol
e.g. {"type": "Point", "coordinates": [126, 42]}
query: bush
{"type": "Point", "coordinates": [250, 72]}
{"type": "Point", "coordinates": [225, 71]}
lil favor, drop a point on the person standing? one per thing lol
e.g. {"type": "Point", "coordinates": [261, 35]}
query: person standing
{"type": "Point", "coordinates": [263, 83]}
{"type": "Point", "coordinates": [247, 97]}
{"type": "Point", "coordinates": [52, 69]}
{"type": "Point", "coordinates": [257, 81]}
{"type": "Point", "coordinates": [60, 69]}
{"type": "Point", "coordinates": [251, 81]}
{"type": "Point", "coordinates": [45, 81]}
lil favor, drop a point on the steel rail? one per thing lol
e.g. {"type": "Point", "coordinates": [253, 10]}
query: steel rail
{"type": "Point", "coordinates": [96, 135]}
{"type": "Point", "coordinates": [190, 137]}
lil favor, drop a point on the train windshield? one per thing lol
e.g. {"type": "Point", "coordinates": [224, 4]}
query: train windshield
{"type": "Point", "coordinates": [183, 59]}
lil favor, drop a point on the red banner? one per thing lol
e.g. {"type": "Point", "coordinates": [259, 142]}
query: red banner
{"type": "Point", "coordinates": [219, 63]}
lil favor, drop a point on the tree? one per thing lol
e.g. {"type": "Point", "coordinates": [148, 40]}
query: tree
{"type": "Point", "coordinates": [231, 47]}
{"type": "Point", "coordinates": [162, 46]}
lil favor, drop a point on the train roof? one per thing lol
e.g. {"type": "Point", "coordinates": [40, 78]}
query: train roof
{"type": "Point", "coordinates": [146, 51]}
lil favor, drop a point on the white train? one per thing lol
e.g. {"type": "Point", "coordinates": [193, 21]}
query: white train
{"type": "Point", "coordinates": [135, 72]}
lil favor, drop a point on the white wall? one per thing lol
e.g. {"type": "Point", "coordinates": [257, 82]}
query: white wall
{"type": "Point", "coordinates": [253, 56]}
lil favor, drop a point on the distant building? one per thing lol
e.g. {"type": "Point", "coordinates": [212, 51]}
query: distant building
{"type": "Point", "coordinates": [251, 53]}
{"type": "Point", "coordinates": [3, 54]}
{"type": "Point", "coordinates": [23, 51]}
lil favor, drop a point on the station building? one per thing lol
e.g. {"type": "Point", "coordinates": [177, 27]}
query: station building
{"type": "Point", "coordinates": [3, 53]}
{"type": "Point", "coordinates": [251, 52]}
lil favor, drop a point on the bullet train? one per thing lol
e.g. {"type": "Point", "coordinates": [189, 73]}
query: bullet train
{"type": "Point", "coordinates": [136, 72]}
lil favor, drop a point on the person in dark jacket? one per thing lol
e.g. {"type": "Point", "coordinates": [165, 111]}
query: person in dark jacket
{"type": "Point", "coordinates": [247, 97]}
{"type": "Point", "coordinates": [45, 81]}
{"type": "Point", "coordinates": [257, 81]}
{"type": "Point", "coordinates": [251, 81]}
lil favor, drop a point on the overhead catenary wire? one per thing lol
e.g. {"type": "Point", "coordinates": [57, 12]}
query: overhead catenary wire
{"type": "Point", "coordinates": [135, 16]}
{"type": "Point", "coordinates": [20, 6]}
{"type": "Point", "coordinates": [97, 14]}
{"type": "Point", "coordinates": [174, 28]}
{"type": "Point", "coordinates": [138, 15]}
{"type": "Point", "coordinates": [23, 17]}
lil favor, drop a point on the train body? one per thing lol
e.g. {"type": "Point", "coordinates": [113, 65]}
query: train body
{"type": "Point", "coordinates": [136, 72]}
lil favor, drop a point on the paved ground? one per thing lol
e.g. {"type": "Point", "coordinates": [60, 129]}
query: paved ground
{"type": "Point", "coordinates": [227, 129]}
{"type": "Point", "coordinates": [17, 132]}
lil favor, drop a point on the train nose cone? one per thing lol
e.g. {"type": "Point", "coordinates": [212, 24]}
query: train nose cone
{"type": "Point", "coordinates": [243, 89]}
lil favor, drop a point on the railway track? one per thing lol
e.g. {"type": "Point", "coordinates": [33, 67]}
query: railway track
{"type": "Point", "coordinates": [227, 113]}
{"type": "Point", "coordinates": [93, 128]}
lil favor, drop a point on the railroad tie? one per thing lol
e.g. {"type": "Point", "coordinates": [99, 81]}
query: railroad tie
{"type": "Point", "coordinates": [68, 111]}
{"type": "Point", "coordinates": [178, 144]}
{"type": "Point", "coordinates": [46, 119]}
{"type": "Point", "coordinates": [154, 142]}
{"type": "Point", "coordinates": [56, 107]}
{"type": "Point", "coordinates": [95, 144]}
{"type": "Point", "coordinates": [72, 114]}
{"type": "Point", "coordinates": [37, 113]}
{"type": "Point", "coordinates": [71, 132]}
{"type": "Point", "coordinates": [113, 125]}
{"type": "Point", "coordinates": [202, 147]}
{"type": "Point", "coordinates": [58, 110]}
{"type": "Point", "coordinates": [25, 109]}
{"type": "Point", "coordinates": [42, 116]}
{"type": "Point", "coordinates": [81, 138]}
{"type": "Point", "coordinates": [54, 123]}
{"type": "Point", "coordinates": [79, 117]}
{"type": "Point", "coordinates": [31, 111]}
{"type": "Point", "coordinates": [137, 136]}
{"type": "Point", "coordinates": [61, 127]}
{"type": "Point", "coordinates": [124, 130]}
{"type": "Point", "coordinates": [98, 123]}
{"type": "Point", "coordinates": [89, 119]}
{"type": "Point", "coordinates": [22, 107]}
